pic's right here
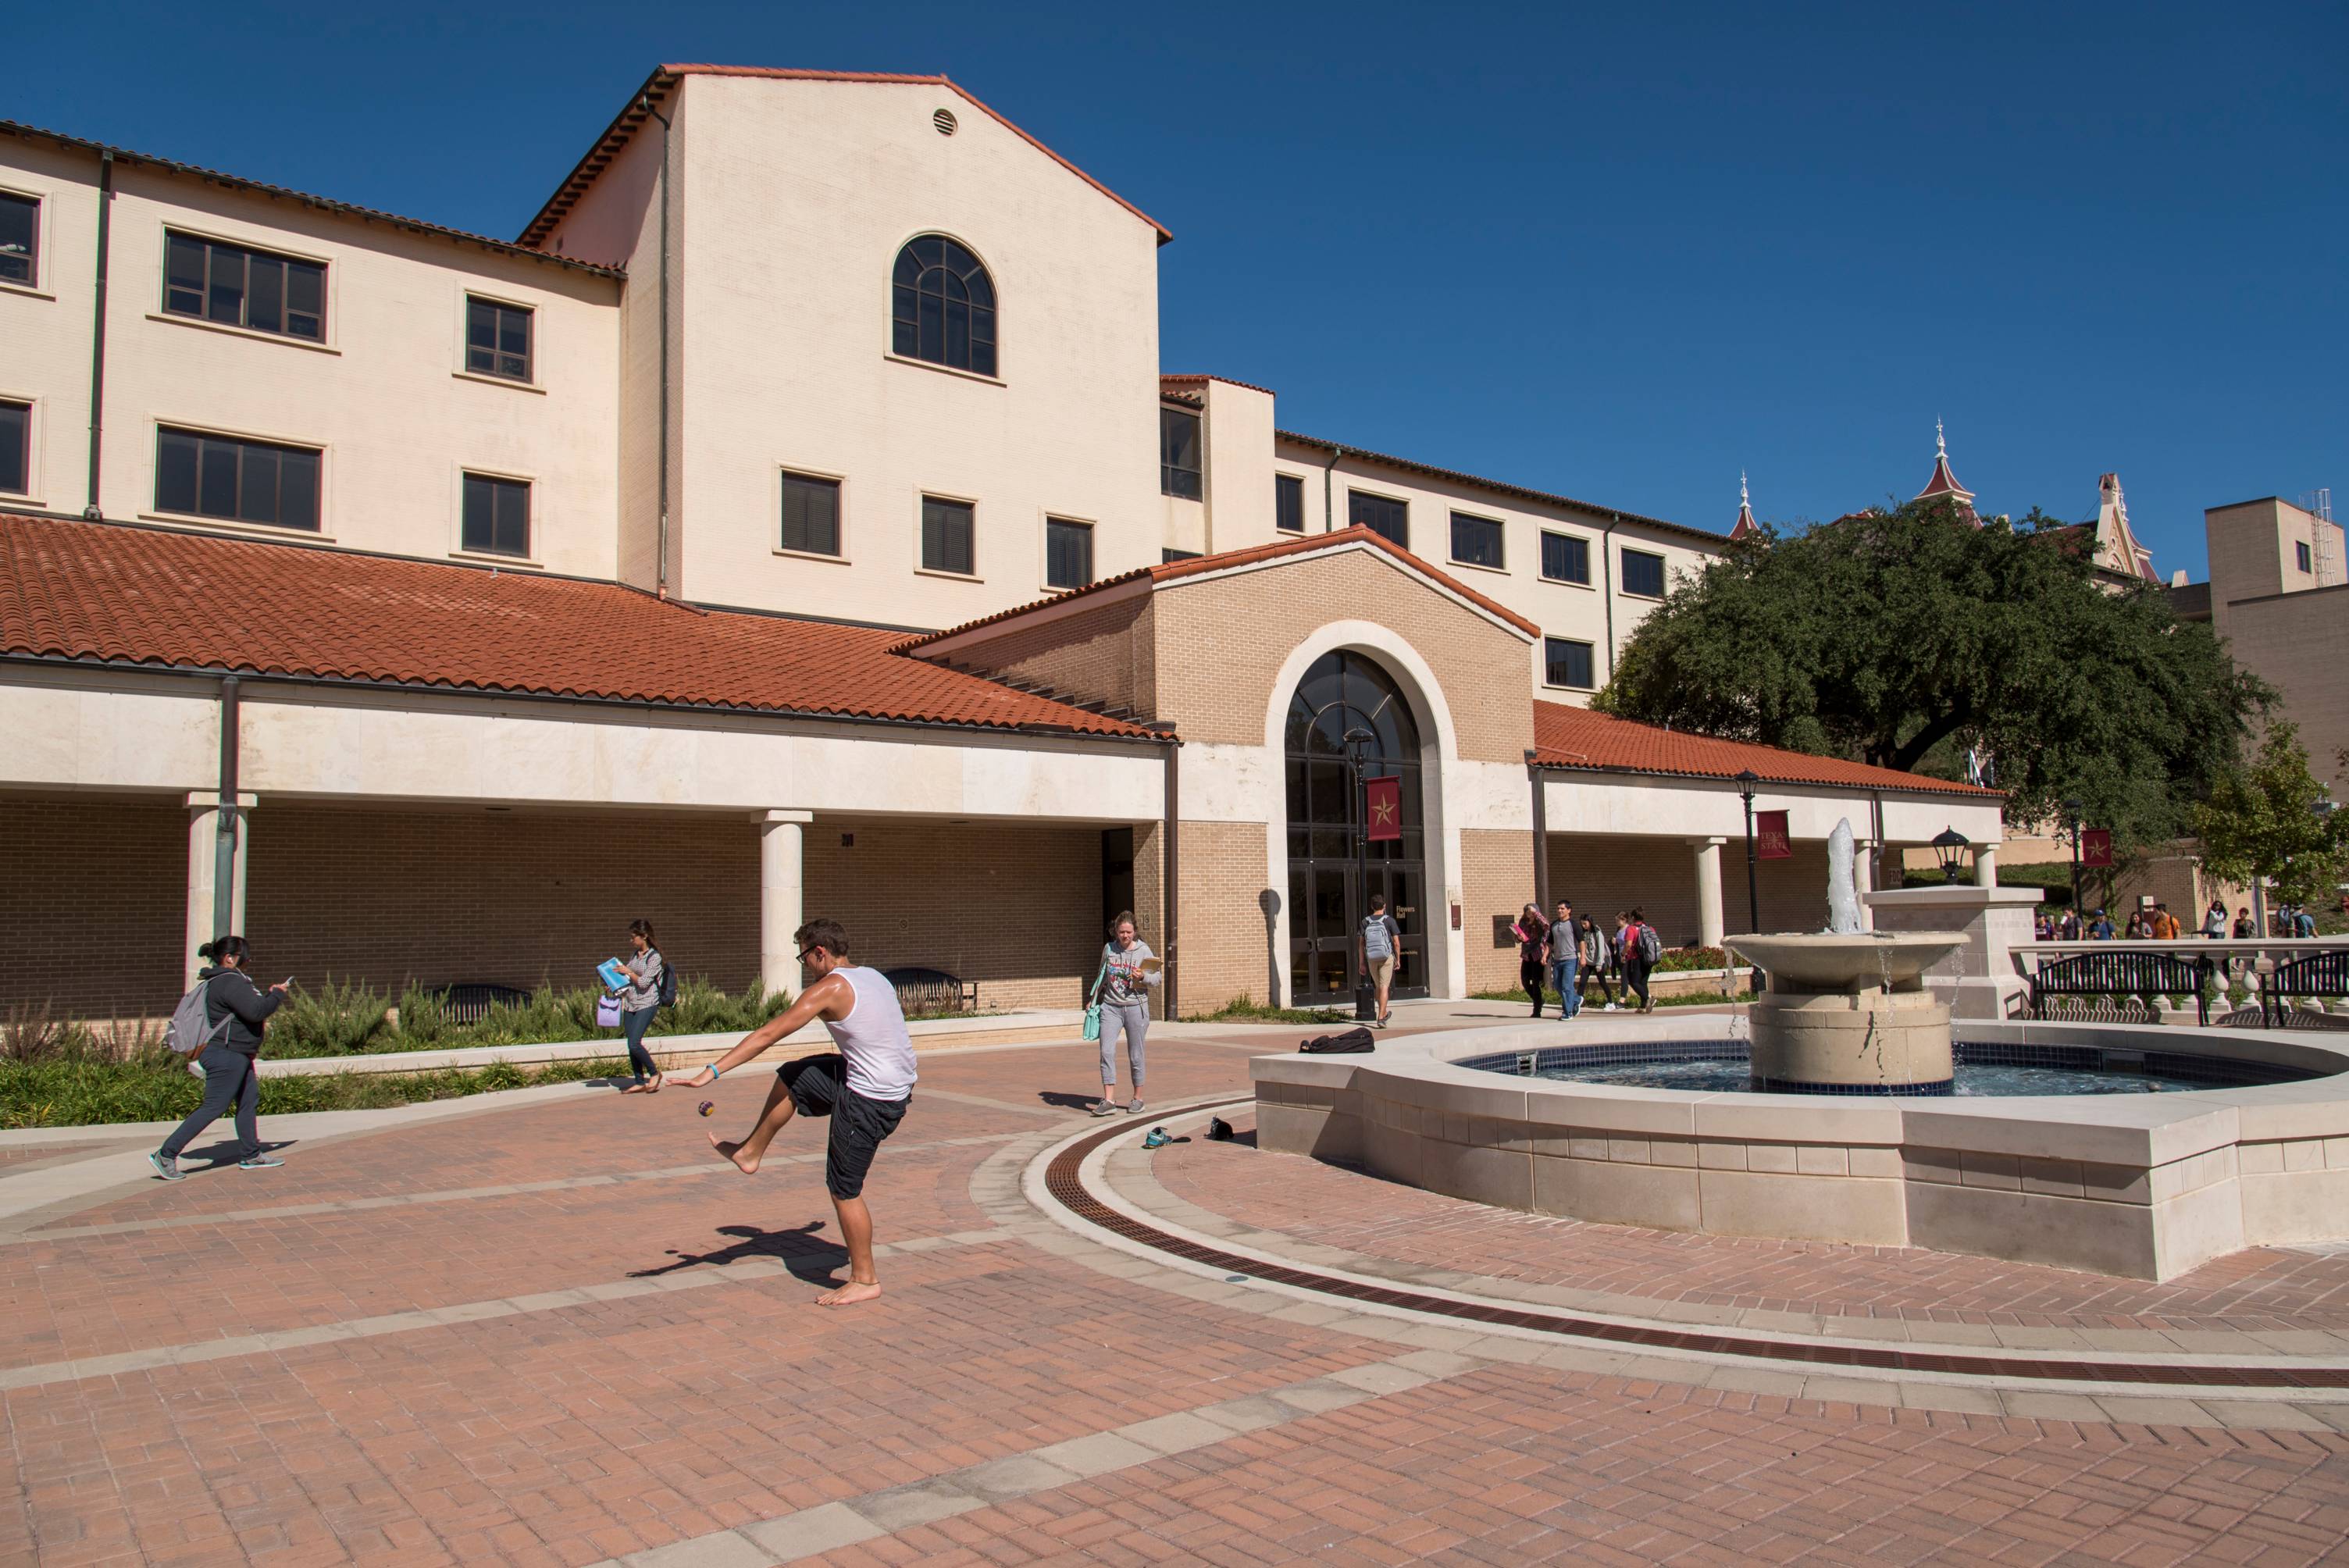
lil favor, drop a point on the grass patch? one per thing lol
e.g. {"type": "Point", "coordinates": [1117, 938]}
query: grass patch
{"type": "Point", "coordinates": [1247, 1009]}
{"type": "Point", "coordinates": [93, 1086]}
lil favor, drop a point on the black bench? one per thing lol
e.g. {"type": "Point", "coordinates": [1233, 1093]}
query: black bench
{"type": "Point", "coordinates": [2323, 975]}
{"type": "Point", "coordinates": [2134, 976]}
{"type": "Point", "coordinates": [933, 991]}
{"type": "Point", "coordinates": [470, 1003]}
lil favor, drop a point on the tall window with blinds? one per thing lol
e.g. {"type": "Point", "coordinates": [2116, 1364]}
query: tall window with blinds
{"type": "Point", "coordinates": [497, 515]}
{"type": "Point", "coordinates": [946, 542]}
{"type": "Point", "coordinates": [810, 514]}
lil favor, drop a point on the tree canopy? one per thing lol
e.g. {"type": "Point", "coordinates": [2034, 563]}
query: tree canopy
{"type": "Point", "coordinates": [1901, 637]}
{"type": "Point", "coordinates": [2273, 820]}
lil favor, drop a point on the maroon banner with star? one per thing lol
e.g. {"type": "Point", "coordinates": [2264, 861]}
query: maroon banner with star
{"type": "Point", "coordinates": [1382, 807]}
{"type": "Point", "coordinates": [2097, 847]}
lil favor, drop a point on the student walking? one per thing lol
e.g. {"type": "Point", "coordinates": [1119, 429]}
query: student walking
{"type": "Point", "coordinates": [236, 1014]}
{"type": "Point", "coordinates": [639, 999]}
{"type": "Point", "coordinates": [865, 1088]}
{"type": "Point", "coordinates": [1122, 990]}
{"type": "Point", "coordinates": [2214, 921]}
{"type": "Point", "coordinates": [1598, 959]}
{"type": "Point", "coordinates": [1376, 946]}
{"type": "Point", "coordinates": [1565, 960]}
{"type": "Point", "coordinates": [1532, 933]}
{"type": "Point", "coordinates": [1641, 948]}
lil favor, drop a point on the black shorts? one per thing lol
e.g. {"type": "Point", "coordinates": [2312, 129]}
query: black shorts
{"type": "Point", "coordinates": [819, 1086]}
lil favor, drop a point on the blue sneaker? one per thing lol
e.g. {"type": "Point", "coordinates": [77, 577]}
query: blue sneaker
{"type": "Point", "coordinates": [167, 1167]}
{"type": "Point", "coordinates": [260, 1162]}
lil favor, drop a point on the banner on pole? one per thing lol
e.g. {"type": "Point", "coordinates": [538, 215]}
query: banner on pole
{"type": "Point", "coordinates": [1772, 842]}
{"type": "Point", "coordinates": [2096, 847]}
{"type": "Point", "coordinates": [1382, 807]}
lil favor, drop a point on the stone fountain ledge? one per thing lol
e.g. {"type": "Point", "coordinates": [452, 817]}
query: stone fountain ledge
{"type": "Point", "coordinates": [2145, 1186]}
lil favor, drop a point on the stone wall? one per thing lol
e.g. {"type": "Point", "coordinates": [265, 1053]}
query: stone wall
{"type": "Point", "coordinates": [95, 889]}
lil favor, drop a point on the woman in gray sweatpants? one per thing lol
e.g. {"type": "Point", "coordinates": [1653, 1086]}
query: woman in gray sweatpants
{"type": "Point", "coordinates": [1129, 970]}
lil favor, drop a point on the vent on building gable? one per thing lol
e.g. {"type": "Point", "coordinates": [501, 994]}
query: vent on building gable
{"type": "Point", "coordinates": [945, 120]}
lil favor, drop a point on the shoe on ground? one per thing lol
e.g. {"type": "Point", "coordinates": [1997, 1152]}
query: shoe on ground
{"type": "Point", "coordinates": [167, 1167]}
{"type": "Point", "coordinates": [1133, 1108]}
{"type": "Point", "coordinates": [260, 1162]}
{"type": "Point", "coordinates": [1610, 1006]}
{"type": "Point", "coordinates": [1103, 1107]}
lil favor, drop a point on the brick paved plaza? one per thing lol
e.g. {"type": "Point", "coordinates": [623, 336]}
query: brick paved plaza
{"type": "Point", "coordinates": [549, 1328]}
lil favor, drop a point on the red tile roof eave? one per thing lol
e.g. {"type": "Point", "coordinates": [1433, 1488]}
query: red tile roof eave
{"type": "Point", "coordinates": [1546, 497]}
{"type": "Point", "coordinates": [1554, 763]}
{"type": "Point", "coordinates": [1626, 746]}
{"type": "Point", "coordinates": [324, 204]}
{"type": "Point", "coordinates": [666, 76]}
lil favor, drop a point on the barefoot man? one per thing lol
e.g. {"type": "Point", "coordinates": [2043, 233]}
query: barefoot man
{"type": "Point", "coordinates": [865, 1089]}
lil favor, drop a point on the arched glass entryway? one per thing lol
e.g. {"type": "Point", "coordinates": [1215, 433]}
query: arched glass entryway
{"type": "Point", "coordinates": [1341, 691]}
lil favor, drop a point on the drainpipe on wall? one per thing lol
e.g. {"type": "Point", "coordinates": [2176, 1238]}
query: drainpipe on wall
{"type": "Point", "coordinates": [1329, 512]}
{"type": "Point", "coordinates": [1170, 881]}
{"type": "Point", "coordinates": [98, 326]}
{"type": "Point", "coordinates": [1541, 836]}
{"type": "Point", "coordinates": [1607, 582]}
{"type": "Point", "coordinates": [661, 569]}
{"type": "Point", "coordinates": [224, 845]}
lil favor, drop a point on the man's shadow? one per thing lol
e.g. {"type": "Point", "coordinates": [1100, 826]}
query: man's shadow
{"type": "Point", "coordinates": [229, 1152]}
{"type": "Point", "coordinates": [797, 1249]}
{"type": "Point", "coordinates": [1063, 1100]}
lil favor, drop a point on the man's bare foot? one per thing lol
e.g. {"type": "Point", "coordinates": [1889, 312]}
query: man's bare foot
{"type": "Point", "coordinates": [746, 1163]}
{"type": "Point", "coordinates": [849, 1294]}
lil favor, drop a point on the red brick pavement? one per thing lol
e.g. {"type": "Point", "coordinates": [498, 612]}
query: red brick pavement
{"type": "Point", "coordinates": [570, 1435]}
{"type": "Point", "coordinates": [2258, 1290]}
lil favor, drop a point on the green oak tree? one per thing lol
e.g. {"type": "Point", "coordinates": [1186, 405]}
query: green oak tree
{"type": "Point", "coordinates": [1903, 636]}
{"type": "Point", "coordinates": [2271, 818]}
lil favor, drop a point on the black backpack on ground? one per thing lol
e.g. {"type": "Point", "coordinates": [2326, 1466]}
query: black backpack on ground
{"type": "Point", "coordinates": [1354, 1039]}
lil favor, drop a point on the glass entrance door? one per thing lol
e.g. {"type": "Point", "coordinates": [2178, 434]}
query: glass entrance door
{"type": "Point", "coordinates": [1329, 880]}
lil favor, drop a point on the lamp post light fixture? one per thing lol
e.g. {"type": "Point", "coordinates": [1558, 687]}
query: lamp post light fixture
{"type": "Point", "coordinates": [1950, 848]}
{"type": "Point", "coordinates": [1358, 742]}
{"type": "Point", "coordinates": [1746, 780]}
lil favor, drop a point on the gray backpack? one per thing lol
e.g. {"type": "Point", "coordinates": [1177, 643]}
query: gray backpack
{"type": "Point", "coordinates": [188, 1031]}
{"type": "Point", "coordinates": [1377, 939]}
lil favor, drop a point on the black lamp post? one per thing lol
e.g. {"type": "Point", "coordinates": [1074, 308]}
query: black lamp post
{"type": "Point", "coordinates": [1950, 848]}
{"type": "Point", "coordinates": [2072, 812]}
{"type": "Point", "coordinates": [1359, 742]}
{"type": "Point", "coordinates": [1745, 782]}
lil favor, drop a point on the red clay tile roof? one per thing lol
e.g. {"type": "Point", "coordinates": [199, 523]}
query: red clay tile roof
{"type": "Point", "coordinates": [1188, 378]}
{"type": "Point", "coordinates": [665, 78]}
{"type": "Point", "coordinates": [116, 593]}
{"type": "Point", "coordinates": [324, 204]}
{"type": "Point", "coordinates": [1174, 570]}
{"type": "Point", "coordinates": [1576, 737]}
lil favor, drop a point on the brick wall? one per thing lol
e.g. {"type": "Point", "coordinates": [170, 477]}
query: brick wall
{"type": "Point", "coordinates": [514, 898]}
{"type": "Point", "coordinates": [1103, 652]}
{"type": "Point", "coordinates": [1222, 640]}
{"type": "Point", "coordinates": [1496, 878]}
{"type": "Point", "coordinates": [1224, 952]}
{"type": "Point", "coordinates": [1794, 891]}
{"type": "Point", "coordinates": [1015, 906]}
{"type": "Point", "coordinates": [1603, 874]}
{"type": "Point", "coordinates": [97, 893]}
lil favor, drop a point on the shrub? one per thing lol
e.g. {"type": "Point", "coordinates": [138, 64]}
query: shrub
{"type": "Point", "coordinates": [1246, 1009]}
{"type": "Point", "coordinates": [337, 1019]}
{"type": "Point", "coordinates": [154, 1085]}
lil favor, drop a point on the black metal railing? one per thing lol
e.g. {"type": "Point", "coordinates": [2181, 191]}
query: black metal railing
{"type": "Point", "coordinates": [470, 1003]}
{"type": "Point", "coordinates": [2321, 975]}
{"type": "Point", "coordinates": [2146, 978]}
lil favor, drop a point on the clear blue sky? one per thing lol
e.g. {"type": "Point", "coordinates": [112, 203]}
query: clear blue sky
{"type": "Point", "coordinates": [1618, 251]}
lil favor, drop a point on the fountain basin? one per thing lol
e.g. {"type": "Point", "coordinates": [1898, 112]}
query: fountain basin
{"type": "Point", "coordinates": [1815, 961]}
{"type": "Point", "coordinates": [1847, 1012]}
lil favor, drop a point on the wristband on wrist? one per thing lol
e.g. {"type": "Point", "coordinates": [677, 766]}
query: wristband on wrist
{"type": "Point", "coordinates": [716, 1072]}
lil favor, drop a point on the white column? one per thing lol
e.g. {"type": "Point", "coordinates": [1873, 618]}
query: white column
{"type": "Point", "coordinates": [1986, 863]}
{"type": "Point", "coordinates": [203, 859]}
{"type": "Point", "coordinates": [1709, 928]}
{"type": "Point", "coordinates": [1863, 879]}
{"type": "Point", "coordinates": [783, 889]}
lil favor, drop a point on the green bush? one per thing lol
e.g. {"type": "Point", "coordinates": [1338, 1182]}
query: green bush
{"type": "Point", "coordinates": [1246, 1009]}
{"type": "Point", "coordinates": [95, 1087]}
{"type": "Point", "coordinates": [345, 1019]}
{"type": "Point", "coordinates": [336, 1020]}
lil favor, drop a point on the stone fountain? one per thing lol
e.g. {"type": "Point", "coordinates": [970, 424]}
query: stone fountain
{"type": "Point", "coordinates": [1847, 1011]}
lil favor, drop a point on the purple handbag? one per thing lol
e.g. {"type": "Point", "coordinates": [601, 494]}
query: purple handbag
{"type": "Point", "coordinates": [607, 1011]}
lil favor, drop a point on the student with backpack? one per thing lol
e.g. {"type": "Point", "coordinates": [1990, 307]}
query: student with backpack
{"type": "Point", "coordinates": [650, 984]}
{"type": "Point", "coordinates": [1376, 946]}
{"type": "Point", "coordinates": [222, 1022]}
{"type": "Point", "coordinates": [1641, 948]}
{"type": "Point", "coordinates": [1597, 961]}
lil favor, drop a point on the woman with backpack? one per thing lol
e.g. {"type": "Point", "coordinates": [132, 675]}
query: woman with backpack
{"type": "Point", "coordinates": [235, 1015]}
{"type": "Point", "coordinates": [1532, 933]}
{"type": "Point", "coordinates": [1641, 948]}
{"type": "Point", "coordinates": [639, 999]}
{"type": "Point", "coordinates": [1598, 962]}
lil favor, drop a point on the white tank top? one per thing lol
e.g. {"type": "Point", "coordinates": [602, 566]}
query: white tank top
{"type": "Point", "coordinates": [873, 1037]}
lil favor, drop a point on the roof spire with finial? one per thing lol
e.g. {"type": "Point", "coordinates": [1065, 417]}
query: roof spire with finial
{"type": "Point", "coordinates": [1746, 524]}
{"type": "Point", "coordinates": [1944, 482]}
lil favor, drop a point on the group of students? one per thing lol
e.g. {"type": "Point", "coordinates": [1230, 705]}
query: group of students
{"type": "Point", "coordinates": [2157, 924]}
{"type": "Point", "coordinates": [1575, 958]}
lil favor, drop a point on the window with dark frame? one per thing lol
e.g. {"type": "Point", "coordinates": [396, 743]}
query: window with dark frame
{"type": "Point", "coordinates": [2300, 552]}
{"type": "Point", "coordinates": [1391, 519]}
{"type": "Point", "coordinates": [20, 239]}
{"type": "Point", "coordinates": [17, 449]}
{"type": "Point", "coordinates": [239, 287]}
{"type": "Point", "coordinates": [236, 481]}
{"type": "Point", "coordinates": [1168, 557]}
{"type": "Point", "coordinates": [1643, 574]}
{"type": "Point", "coordinates": [1567, 662]}
{"type": "Point", "coordinates": [1565, 559]}
{"type": "Point", "coordinates": [1288, 503]}
{"type": "Point", "coordinates": [497, 516]}
{"type": "Point", "coordinates": [1068, 553]}
{"type": "Point", "coordinates": [497, 339]}
{"type": "Point", "coordinates": [810, 514]}
{"type": "Point", "coordinates": [946, 536]}
{"type": "Point", "coordinates": [1178, 453]}
{"type": "Point", "coordinates": [942, 306]}
{"type": "Point", "coordinates": [1475, 541]}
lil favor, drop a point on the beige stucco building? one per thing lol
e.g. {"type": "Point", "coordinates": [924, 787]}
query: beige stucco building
{"type": "Point", "coordinates": [795, 516]}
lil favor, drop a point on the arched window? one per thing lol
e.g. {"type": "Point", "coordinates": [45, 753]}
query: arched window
{"type": "Point", "coordinates": [942, 305]}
